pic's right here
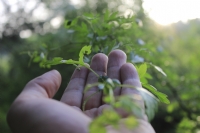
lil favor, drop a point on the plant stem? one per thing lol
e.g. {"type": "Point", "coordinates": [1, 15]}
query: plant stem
{"type": "Point", "coordinates": [88, 86]}
{"type": "Point", "coordinates": [112, 99]}
{"type": "Point", "coordinates": [84, 103]}
{"type": "Point", "coordinates": [91, 70]}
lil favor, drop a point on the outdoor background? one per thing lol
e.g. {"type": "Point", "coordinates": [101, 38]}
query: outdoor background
{"type": "Point", "coordinates": [169, 33]}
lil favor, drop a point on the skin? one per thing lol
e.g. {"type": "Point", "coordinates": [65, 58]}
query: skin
{"type": "Point", "coordinates": [34, 110]}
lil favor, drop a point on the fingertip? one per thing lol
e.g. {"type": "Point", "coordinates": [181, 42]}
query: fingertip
{"type": "Point", "coordinates": [55, 76]}
{"type": "Point", "coordinates": [56, 73]}
{"type": "Point", "coordinates": [99, 56]}
{"type": "Point", "coordinates": [116, 58]}
{"type": "Point", "coordinates": [99, 62]}
{"type": "Point", "coordinates": [119, 53]}
{"type": "Point", "coordinates": [128, 71]}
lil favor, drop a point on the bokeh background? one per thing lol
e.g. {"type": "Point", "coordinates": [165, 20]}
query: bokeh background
{"type": "Point", "coordinates": [169, 28]}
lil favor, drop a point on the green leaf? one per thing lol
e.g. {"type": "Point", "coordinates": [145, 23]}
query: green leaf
{"type": "Point", "coordinates": [70, 61]}
{"type": "Point", "coordinates": [142, 70]}
{"type": "Point", "coordinates": [143, 80]}
{"type": "Point", "coordinates": [158, 69]}
{"type": "Point", "coordinates": [131, 122]}
{"type": "Point", "coordinates": [36, 59]}
{"type": "Point", "coordinates": [151, 103]}
{"type": "Point", "coordinates": [110, 82]}
{"type": "Point", "coordinates": [84, 26]}
{"type": "Point", "coordinates": [106, 99]}
{"type": "Point", "coordinates": [106, 15]}
{"type": "Point", "coordinates": [54, 61]}
{"type": "Point", "coordinates": [89, 16]}
{"type": "Point", "coordinates": [148, 76]}
{"type": "Point", "coordinates": [161, 96]}
{"type": "Point", "coordinates": [68, 23]}
{"type": "Point", "coordinates": [108, 117]}
{"type": "Point", "coordinates": [113, 16]}
{"type": "Point", "coordinates": [95, 128]}
{"type": "Point", "coordinates": [84, 50]}
{"type": "Point", "coordinates": [116, 46]}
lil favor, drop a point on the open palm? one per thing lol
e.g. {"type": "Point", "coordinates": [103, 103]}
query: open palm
{"type": "Point", "coordinates": [34, 110]}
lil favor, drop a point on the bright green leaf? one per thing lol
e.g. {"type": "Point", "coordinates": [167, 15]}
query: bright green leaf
{"type": "Point", "coordinates": [131, 122]}
{"type": "Point", "coordinates": [36, 59]}
{"type": "Point", "coordinates": [148, 76]}
{"type": "Point", "coordinates": [161, 96]}
{"type": "Point", "coordinates": [142, 70]}
{"type": "Point", "coordinates": [84, 50]}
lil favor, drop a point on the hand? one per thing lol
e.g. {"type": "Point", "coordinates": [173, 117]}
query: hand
{"type": "Point", "coordinates": [34, 111]}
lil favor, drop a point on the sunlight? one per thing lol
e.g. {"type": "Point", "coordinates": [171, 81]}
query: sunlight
{"type": "Point", "coordinates": [166, 12]}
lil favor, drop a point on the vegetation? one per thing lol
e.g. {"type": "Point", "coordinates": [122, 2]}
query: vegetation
{"type": "Point", "coordinates": [148, 46]}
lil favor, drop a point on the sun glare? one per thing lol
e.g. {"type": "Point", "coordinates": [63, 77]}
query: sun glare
{"type": "Point", "coordinates": [166, 12]}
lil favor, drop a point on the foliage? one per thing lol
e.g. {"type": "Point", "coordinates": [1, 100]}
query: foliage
{"type": "Point", "coordinates": [173, 48]}
{"type": "Point", "coordinates": [107, 85]}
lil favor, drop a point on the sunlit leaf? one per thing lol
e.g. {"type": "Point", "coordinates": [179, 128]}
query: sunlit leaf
{"type": "Point", "coordinates": [143, 80]}
{"type": "Point", "coordinates": [85, 50]}
{"type": "Point", "coordinates": [161, 96]}
{"type": "Point", "coordinates": [148, 76]}
{"type": "Point", "coordinates": [54, 61]}
{"type": "Point", "coordinates": [142, 70]}
{"type": "Point", "coordinates": [159, 69]}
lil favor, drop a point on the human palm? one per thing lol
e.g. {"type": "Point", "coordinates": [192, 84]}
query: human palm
{"type": "Point", "coordinates": [34, 110]}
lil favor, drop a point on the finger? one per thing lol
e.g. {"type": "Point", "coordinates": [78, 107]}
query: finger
{"type": "Point", "coordinates": [115, 60]}
{"type": "Point", "coordinates": [98, 64]}
{"type": "Point", "coordinates": [74, 92]}
{"type": "Point", "coordinates": [129, 76]}
{"type": "Point", "coordinates": [44, 86]}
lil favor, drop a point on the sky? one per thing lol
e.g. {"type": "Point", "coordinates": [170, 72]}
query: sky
{"type": "Point", "coordinates": [163, 12]}
{"type": "Point", "coordinates": [166, 12]}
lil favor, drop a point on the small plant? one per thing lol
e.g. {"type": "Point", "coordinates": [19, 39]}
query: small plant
{"type": "Point", "coordinates": [101, 32]}
{"type": "Point", "coordinates": [107, 85]}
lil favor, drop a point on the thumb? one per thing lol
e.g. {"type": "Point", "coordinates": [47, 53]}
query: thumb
{"type": "Point", "coordinates": [45, 86]}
